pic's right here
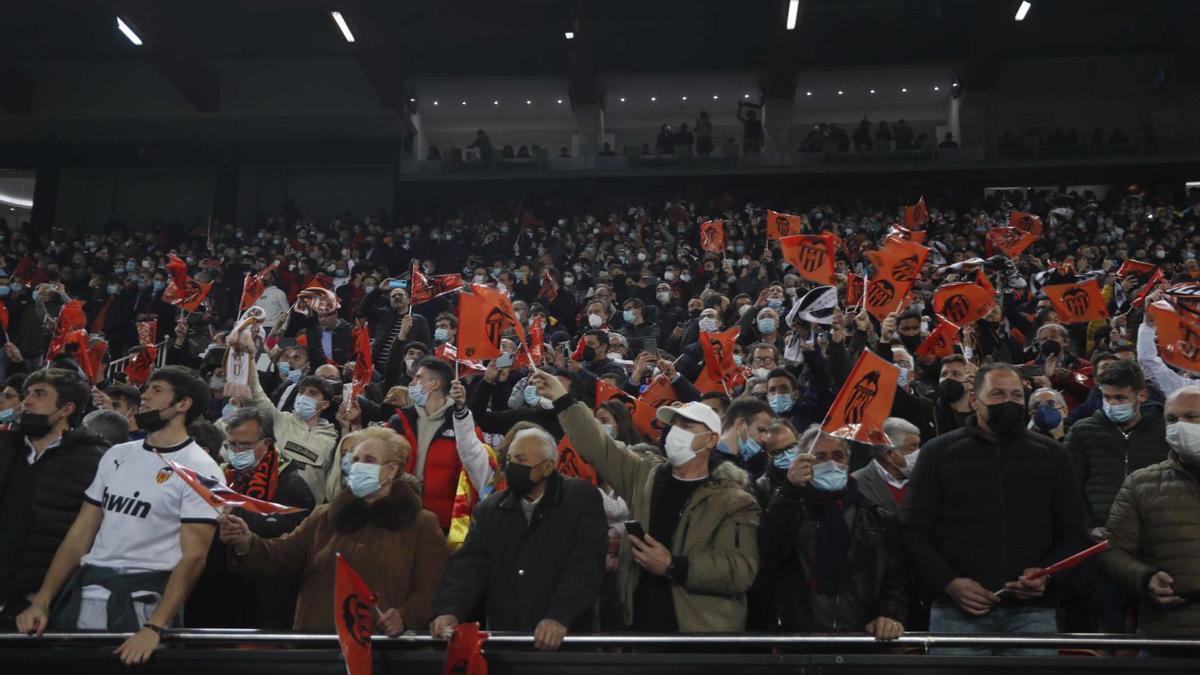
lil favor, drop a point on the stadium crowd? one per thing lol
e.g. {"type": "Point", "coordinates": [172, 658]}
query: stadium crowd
{"type": "Point", "coordinates": [597, 475]}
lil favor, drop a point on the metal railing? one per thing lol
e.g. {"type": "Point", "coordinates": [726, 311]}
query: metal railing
{"type": "Point", "coordinates": [118, 365]}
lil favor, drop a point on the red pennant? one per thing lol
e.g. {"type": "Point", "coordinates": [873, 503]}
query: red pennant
{"type": "Point", "coordinates": [141, 364]}
{"type": "Point", "coordinates": [4, 316]}
{"type": "Point", "coordinates": [464, 654]}
{"type": "Point", "coordinates": [854, 289]}
{"type": "Point", "coordinates": [354, 616]}
{"type": "Point", "coordinates": [218, 495]}
{"type": "Point", "coordinates": [812, 256]}
{"type": "Point", "coordinates": [712, 236]}
{"type": "Point", "coordinates": [864, 401]}
{"type": "Point", "coordinates": [426, 288]}
{"type": "Point", "coordinates": [571, 464]}
{"type": "Point", "coordinates": [718, 352]}
{"type": "Point", "coordinates": [534, 351]}
{"type": "Point", "coordinates": [658, 394]}
{"type": "Point", "coordinates": [449, 353]}
{"type": "Point", "coordinates": [252, 288]}
{"type": "Point", "coordinates": [549, 288]}
{"type": "Point", "coordinates": [363, 366]}
{"type": "Point", "coordinates": [147, 332]}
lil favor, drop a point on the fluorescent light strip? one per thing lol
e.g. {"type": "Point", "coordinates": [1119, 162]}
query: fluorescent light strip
{"type": "Point", "coordinates": [341, 24]}
{"type": "Point", "coordinates": [1023, 10]}
{"type": "Point", "coordinates": [16, 201]}
{"type": "Point", "coordinates": [124, 28]}
{"type": "Point", "coordinates": [793, 13]}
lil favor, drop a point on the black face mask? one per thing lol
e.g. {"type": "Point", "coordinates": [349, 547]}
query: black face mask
{"type": "Point", "coordinates": [151, 421]}
{"type": "Point", "coordinates": [588, 354]}
{"type": "Point", "coordinates": [951, 390]}
{"type": "Point", "coordinates": [1051, 348]}
{"type": "Point", "coordinates": [911, 342]}
{"type": "Point", "coordinates": [1006, 419]}
{"type": "Point", "coordinates": [519, 478]}
{"type": "Point", "coordinates": [34, 425]}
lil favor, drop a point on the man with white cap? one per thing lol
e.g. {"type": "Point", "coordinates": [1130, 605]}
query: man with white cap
{"type": "Point", "coordinates": [699, 554]}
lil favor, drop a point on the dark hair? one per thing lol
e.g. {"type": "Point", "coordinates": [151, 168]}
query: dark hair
{"type": "Point", "coordinates": [600, 335]}
{"type": "Point", "coordinates": [635, 303]}
{"type": "Point", "coordinates": [909, 314]}
{"type": "Point", "coordinates": [982, 374]}
{"type": "Point", "coordinates": [16, 382]}
{"type": "Point", "coordinates": [68, 387]}
{"type": "Point", "coordinates": [783, 372]}
{"type": "Point", "coordinates": [126, 392]}
{"type": "Point", "coordinates": [762, 345]}
{"type": "Point", "coordinates": [208, 436]}
{"type": "Point", "coordinates": [449, 317]}
{"type": "Point", "coordinates": [440, 369]}
{"type": "Point", "coordinates": [954, 358]}
{"type": "Point", "coordinates": [718, 396]}
{"type": "Point", "coordinates": [627, 433]}
{"type": "Point", "coordinates": [320, 384]}
{"type": "Point", "coordinates": [1102, 355]}
{"type": "Point", "coordinates": [187, 384]}
{"type": "Point", "coordinates": [1123, 373]}
{"type": "Point", "coordinates": [745, 407]}
{"type": "Point", "coordinates": [266, 423]}
{"type": "Point", "coordinates": [414, 344]}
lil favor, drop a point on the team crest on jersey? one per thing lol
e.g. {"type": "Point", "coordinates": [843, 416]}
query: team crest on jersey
{"type": "Point", "coordinates": [163, 474]}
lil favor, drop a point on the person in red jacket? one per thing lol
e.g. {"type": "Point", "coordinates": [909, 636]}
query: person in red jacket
{"type": "Point", "coordinates": [442, 433]}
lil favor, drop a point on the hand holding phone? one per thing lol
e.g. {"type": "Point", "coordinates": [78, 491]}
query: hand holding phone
{"type": "Point", "coordinates": [634, 528]}
{"type": "Point", "coordinates": [506, 360]}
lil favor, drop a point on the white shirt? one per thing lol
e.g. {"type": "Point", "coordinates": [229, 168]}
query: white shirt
{"type": "Point", "coordinates": [274, 304]}
{"type": "Point", "coordinates": [897, 483]}
{"type": "Point", "coordinates": [145, 505]}
{"type": "Point", "coordinates": [32, 456]}
{"type": "Point", "coordinates": [1157, 371]}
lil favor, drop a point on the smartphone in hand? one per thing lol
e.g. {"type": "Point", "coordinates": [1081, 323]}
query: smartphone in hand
{"type": "Point", "coordinates": [634, 528]}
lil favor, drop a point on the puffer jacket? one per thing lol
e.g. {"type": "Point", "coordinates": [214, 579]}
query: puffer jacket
{"type": "Point", "coordinates": [874, 582]}
{"type": "Point", "coordinates": [717, 532]}
{"type": "Point", "coordinates": [1104, 455]}
{"type": "Point", "coordinates": [1154, 525]}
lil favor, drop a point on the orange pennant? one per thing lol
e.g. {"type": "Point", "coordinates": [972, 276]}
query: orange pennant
{"type": "Point", "coordinates": [571, 464]}
{"type": "Point", "coordinates": [1076, 303]}
{"type": "Point", "coordinates": [1026, 222]}
{"type": "Point", "coordinates": [658, 394]}
{"type": "Point", "coordinates": [780, 225]}
{"type": "Point", "coordinates": [854, 289]}
{"type": "Point", "coordinates": [718, 352]}
{"type": "Point", "coordinates": [962, 303]}
{"type": "Point", "coordinates": [483, 316]}
{"type": "Point", "coordinates": [354, 616]}
{"type": "Point", "coordinates": [464, 653]}
{"type": "Point", "coordinates": [940, 342]}
{"type": "Point", "coordinates": [915, 215]}
{"type": "Point", "coordinates": [897, 266]}
{"type": "Point", "coordinates": [363, 362]}
{"type": "Point", "coordinates": [1010, 240]}
{"type": "Point", "coordinates": [812, 256]}
{"type": "Point", "coordinates": [864, 401]}
{"type": "Point", "coordinates": [712, 236]}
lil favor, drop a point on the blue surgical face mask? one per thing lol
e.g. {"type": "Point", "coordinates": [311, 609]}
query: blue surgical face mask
{"type": "Point", "coordinates": [628, 315]}
{"type": "Point", "coordinates": [130, 266]}
{"type": "Point", "coordinates": [241, 459]}
{"type": "Point", "coordinates": [748, 447]}
{"type": "Point", "coordinates": [112, 289]}
{"type": "Point", "coordinates": [285, 368]}
{"type": "Point", "coordinates": [1046, 417]}
{"type": "Point", "coordinates": [306, 407]}
{"type": "Point", "coordinates": [441, 334]}
{"type": "Point", "coordinates": [15, 286]}
{"type": "Point", "coordinates": [159, 285]}
{"type": "Point", "coordinates": [228, 410]}
{"type": "Point", "coordinates": [783, 460]}
{"type": "Point", "coordinates": [363, 479]}
{"type": "Point", "coordinates": [780, 403]}
{"type": "Point", "coordinates": [1120, 412]}
{"type": "Point", "coordinates": [775, 303]}
{"type": "Point", "coordinates": [7, 416]}
{"type": "Point", "coordinates": [4, 291]}
{"type": "Point", "coordinates": [902, 379]}
{"type": "Point", "coordinates": [737, 359]}
{"type": "Point", "coordinates": [530, 395]}
{"type": "Point", "coordinates": [766, 326]}
{"type": "Point", "coordinates": [609, 429]}
{"type": "Point", "coordinates": [830, 476]}
{"type": "Point", "coordinates": [417, 393]}
{"type": "Point", "coordinates": [347, 462]}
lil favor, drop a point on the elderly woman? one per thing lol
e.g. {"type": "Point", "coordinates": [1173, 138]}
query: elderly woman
{"type": "Point", "coordinates": [377, 524]}
{"type": "Point", "coordinates": [1047, 413]}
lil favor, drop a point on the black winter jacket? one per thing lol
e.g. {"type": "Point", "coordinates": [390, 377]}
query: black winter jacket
{"type": "Point", "coordinates": [1104, 456]}
{"type": "Point", "coordinates": [875, 583]}
{"type": "Point", "coordinates": [986, 510]}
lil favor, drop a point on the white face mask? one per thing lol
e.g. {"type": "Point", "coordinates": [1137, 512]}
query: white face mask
{"type": "Point", "coordinates": [595, 321]}
{"type": "Point", "coordinates": [910, 461]}
{"type": "Point", "coordinates": [1184, 438]}
{"type": "Point", "coordinates": [679, 446]}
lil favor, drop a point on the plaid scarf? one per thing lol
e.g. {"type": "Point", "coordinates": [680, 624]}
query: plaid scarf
{"type": "Point", "coordinates": [259, 482]}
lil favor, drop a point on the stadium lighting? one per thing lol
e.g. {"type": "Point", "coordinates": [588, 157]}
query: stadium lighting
{"type": "Point", "coordinates": [936, 88]}
{"type": "Point", "coordinates": [464, 102]}
{"type": "Point", "coordinates": [435, 102]}
{"type": "Point", "coordinates": [840, 92]}
{"type": "Point", "coordinates": [808, 93]}
{"type": "Point", "coordinates": [569, 35]}
{"type": "Point", "coordinates": [872, 91]}
{"type": "Point", "coordinates": [653, 98]}
{"type": "Point", "coordinates": [13, 200]}
{"type": "Point", "coordinates": [528, 102]}
{"type": "Point", "coordinates": [745, 95]}
{"type": "Point", "coordinates": [715, 97]}
{"type": "Point", "coordinates": [622, 99]}
{"type": "Point", "coordinates": [128, 31]}
{"type": "Point", "coordinates": [342, 25]}
{"type": "Point", "coordinates": [1023, 10]}
{"type": "Point", "coordinates": [683, 98]}
{"type": "Point", "coordinates": [903, 90]}
{"type": "Point", "coordinates": [793, 13]}
{"type": "Point", "coordinates": [495, 102]}
{"type": "Point", "coordinates": [560, 101]}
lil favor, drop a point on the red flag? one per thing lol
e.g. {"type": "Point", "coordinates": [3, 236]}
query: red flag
{"type": "Point", "coordinates": [1010, 240]}
{"type": "Point", "coordinates": [718, 352]}
{"type": "Point", "coordinates": [217, 495]}
{"type": "Point", "coordinates": [183, 291]}
{"type": "Point", "coordinates": [658, 394]}
{"type": "Point", "coordinates": [426, 288]}
{"type": "Point", "coordinates": [91, 356]}
{"type": "Point", "coordinates": [354, 616]}
{"type": "Point", "coordinates": [27, 273]}
{"type": "Point", "coordinates": [1177, 334]}
{"type": "Point", "coordinates": [252, 288]}
{"type": "Point", "coordinates": [1147, 274]}
{"type": "Point", "coordinates": [605, 391]}
{"type": "Point", "coordinates": [147, 332]}
{"type": "Point", "coordinates": [916, 215]}
{"type": "Point", "coordinates": [140, 364]}
{"type": "Point", "coordinates": [915, 236]}
{"type": "Point", "coordinates": [1026, 222]}
{"type": "Point", "coordinates": [962, 303]}
{"type": "Point", "coordinates": [811, 255]}
{"type": "Point", "coordinates": [1076, 303]}
{"type": "Point", "coordinates": [533, 353]}
{"type": "Point", "coordinates": [854, 289]}
{"type": "Point", "coordinates": [449, 353]}
{"type": "Point", "coordinates": [780, 225]}
{"type": "Point", "coordinates": [897, 265]}
{"type": "Point", "coordinates": [464, 654]}
{"type": "Point", "coordinates": [864, 401]}
{"type": "Point", "coordinates": [4, 316]}
{"type": "Point", "coordinates": [712, 236]}
{"type": "Point", "coordinates": [363, 366]}
{"type": "Point", "coordinates": [735, 378]}
{"type": "Point", "coordinates": [940, 342]}
{"type": "Point", "coordinates": [483, 316]}
{"type": "Point", "coordinates": [71, 317]}
{"type": "Point", "coordinates": [549, 288]}
{"type": "Point", "coordinates": [981, 278]}
{"type": "Point", "coordinates": [572, 465]}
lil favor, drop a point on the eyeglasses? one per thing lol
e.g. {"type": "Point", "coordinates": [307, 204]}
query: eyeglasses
{"type": "Point", "coordinates": [239, 447]}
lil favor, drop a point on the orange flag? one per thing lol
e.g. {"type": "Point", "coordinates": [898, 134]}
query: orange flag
{"type": "Point", "coordinates": [712, 236]}
{"type": "Point", "coordinates": [1178, 335]}
{"type": "Point", "coordinates": [533, 351]}
{"type": "Point", "coordinates": [1010, 240]}
{"type": "Point", "coordinates": [1026, 222]}
{"type": "Point", "coordinates": [483, 316]}
{"type": "Point", "coordinates": [864, 401]}
{"type": "Point", "coordinates": [780, 225]}
{"type": "Point", "coordinates": [252, 289]}
{"type": "Point", "coordinates": [605, 391]}
{"type": "Point", "coordinates": [572, 465]}
{"type": "Point", "coordinates": [659, 393]}
{"type": "Point", "coordinates": [854, 289]}
{"type": "Point", "coordinates": [354, 616]}
{"type": "Point", "coordinates": [811, 255]}
{"type": "Point", "coordinates": [464, 653]}
{"type": "Point", "coordinates": [897, 266]}
{"type": "Point", "coordinates": [940, 342]}
{"type": "Point", "coordinates": [363, 363]}
{"type": "Point", "coordinates": [718, 352]}
{"type": "Point", "coordinates": [981, 278]}
{"type": "Point", "coordinates": [216, 494]}
{"type": "Point", "coordinates": [1076, 303]}
{"type": "Point", "coordinates": [4, 316]}
{"type": "Point", "coordinates": [962, 303]}
{"type": "Point", "coordinates": [915, 236]}
{"type": "Point", "coordinates": [916, 215]}
{"type": "Point", "coordinates": [705, 383]}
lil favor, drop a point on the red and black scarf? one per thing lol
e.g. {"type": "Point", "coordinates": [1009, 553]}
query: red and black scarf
{"type": "Point", "coordinates": [259, 482]}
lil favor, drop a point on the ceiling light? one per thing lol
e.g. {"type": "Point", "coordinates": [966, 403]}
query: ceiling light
{"type": "Point", "coordinates": [569, 35]}
{"type": "Point", "coordinates": [435, 103]}
{"type": "Point", "coordinates": [412, 100]}
{"type": "Point", "coordinates": [808, 93]}
{"type": "Point", "coordinates": [840, 92]}
{"type": "Point", "coordinates": [653, 98]}
{"type": "Point", "coordinates": [683, 98]}
{"type": "Point", "coordinates": [745, 95]}
{"type": "Point", "coordinates": [341, 24]}
{"type": "Point", "coordinates": [936, 88]}
{"type": "Point", "coordinates": [903, 90]}
{"type": "Point", "coordinates": [872, 91]}
{"type": "Point", "coordinates": [128, 31]}
{"type": "Point", "coordinates": [495, 102]}
{"type": "Point", "coordinates": [622, 99]}
{"type": "Point", "coordinates": [715, 97]}
{"type": "Point", "coordinates": [13, 200]}
{"type": "Point", "coordinates": [793, 13]}
{"type": "Point", "coordinates": [1023, 10]}
{"type": "Point", "coordinates": [560, 100]}
{"type": "Point", "coordinates": [464, 102]}
{"type": "Point", "coordinates": [528, 102]}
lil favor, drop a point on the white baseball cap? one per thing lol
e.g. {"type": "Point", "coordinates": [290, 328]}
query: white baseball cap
{"type": "Point", "coordinates": [694, 411]}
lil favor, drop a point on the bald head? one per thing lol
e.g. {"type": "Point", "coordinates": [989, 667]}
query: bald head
{"type": "Point", "coordinates": [1183, 405]}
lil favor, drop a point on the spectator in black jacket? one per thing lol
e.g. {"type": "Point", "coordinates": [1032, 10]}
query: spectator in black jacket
{"type": "Point", "coordinates": [839, 557]}
{"type": "Point", "coordinates": [534, 554]}
{"type": "Point", "coordinates": [392, 323]}
{"type": "Point", "coordinates": [46, 463]}
{"type": "Point", "coordinates": [988, 505]}
{"type": "Point", "coordinates": [744, 431]}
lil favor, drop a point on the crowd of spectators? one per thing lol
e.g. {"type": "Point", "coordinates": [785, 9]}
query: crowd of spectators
{"type": "Point", "coordinates": [460, 491]}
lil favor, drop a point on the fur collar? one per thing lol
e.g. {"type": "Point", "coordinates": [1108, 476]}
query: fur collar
{"type": "Point", "coordinates": [349, 514]}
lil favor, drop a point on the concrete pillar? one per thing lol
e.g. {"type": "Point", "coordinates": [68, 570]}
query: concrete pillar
{"type": "Point", "coordinates": [420, 141]}
{"type": "Point", "coordinates": [777, 123]}
{"type": "Point", "coordinates": [589, 119]}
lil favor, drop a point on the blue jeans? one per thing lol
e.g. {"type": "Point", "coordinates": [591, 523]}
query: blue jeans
{"type": "Point", "coordinates": [947, 617]}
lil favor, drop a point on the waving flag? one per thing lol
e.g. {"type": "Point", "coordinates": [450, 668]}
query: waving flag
{"type": "Point", "coordinates": [28, 273]}
{"type": "Point", "coordinates": [811, 255]}
{"type": "Point", "coordinates": [940, 342]}
{"type": "Point", "coordinates": [363, 365]}
{"type": "Point", "coordinates": [1076, 303]}
{"type": "Point", "coordinates": [915, 236]}
{"type": "Point", "coordinates": [483, 316]}
{"type": "Point", "coordinates": [915, 215]}
{"type": "Point", "coordinates": [548, 290]}
{"type": "Point", "coordinates": [658, 394]}
{"type": "Point", "coordinates": [182, 290]}
{"type": "Point", "coordinates": [897, 265]}
{"type": "Point", "coordinates": [1147, 274]}
{"type": "Point", "coordinates": [780, 225]}
{"type": "Point", "coordinates": [962, 303]}
{"type": "Point", "coordinates": [464, 654]}
{"type": "Point", "coordinates": [1026, 222]}
{"type": "Point", "coordinates": [449, 353]}
{"type": "Point", "coordinates": [718, 352]}
{"type": "Point", "coordinates": [534, 348]}
{"type": "Point", "coordinates": [217, 495]}
{"type": "Point", "coordinates": [1010, 240]}
{"type": "Point", "coordinates": [140, 364]}
{"type": "Point", "coordinates": [712, 236]}
{"type": "Point", "coordinates": [854, 289]}
{"type": "Point", "coordinates": [425, 288]}
{"type": "Point", "coordinates": [864, 401]}
{"type": "Point", "coordinates": [4, 316]}
{"type": "Point", "coordinates": [571, 464]}
{"type": "Point", "coordinates": [354, 615]}
{"type": "Point", "coordinates": [253, 287]}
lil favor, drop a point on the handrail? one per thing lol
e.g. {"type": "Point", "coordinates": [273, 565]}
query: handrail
{"type": "Point", "coordinates": [211, 636]}
{"type": "Point", "coordinates": [117, 365]}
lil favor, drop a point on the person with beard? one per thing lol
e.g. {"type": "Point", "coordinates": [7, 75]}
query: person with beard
{"type": "Point", "coordinates": [45, 466]}
{"type": "Point", "coordinates": [953, 406]}
{"type": "Point", "coordinates": [378, 525]}
{"type": "Point", "coordinates": [534, 554]}
{"type": "Point", "coordinates": [839, 556]}
{"type": "Point", "coordinates": [988, 505]}
{"type": "Point", "coordinates": [142, 532]}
